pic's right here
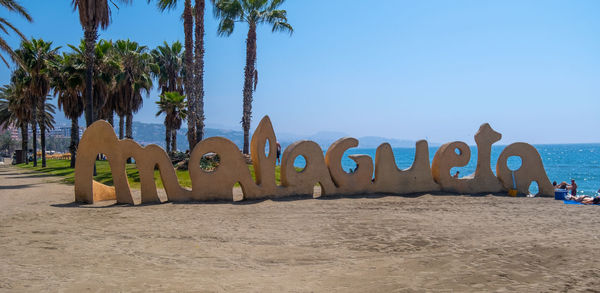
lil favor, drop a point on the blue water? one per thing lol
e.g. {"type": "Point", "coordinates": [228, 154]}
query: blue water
{"type": "Point", "coordinates": [562, 162]}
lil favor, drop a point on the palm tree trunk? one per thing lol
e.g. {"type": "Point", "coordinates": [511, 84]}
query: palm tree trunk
{"type": "Point", "coordinates": [199, 70]}
{"type": "Point", "coordinates": [90, 35]}
{"type": "Point", "coordinates": [121, 125]}
{"type": "Point", "coordinates": [249, 79]}
{"type": "Point", "coordinates": [74, 141]}
{"type": "Point", "coordinates": [174, 140]}
{"type": "Point", "coordinates": [34, 142]}
{"type": "Point", "coordinates": [188, 81]}
{"type": "Point", "coordinates": [111, 118]}
{"type": "Point", "coordinates": [129, 130]}
{"type": "Point", "coordinates": [168, 139]}
{"type": "Point", "coordinates": [24, 142]}
{"type": "Point", "coordinates": [43, 143]}
{"type": "Point", "coordinates": [129, 126]}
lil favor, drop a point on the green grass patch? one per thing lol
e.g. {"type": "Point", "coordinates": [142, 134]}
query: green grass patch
{"type": "Point", "coordinates": [104, 175]}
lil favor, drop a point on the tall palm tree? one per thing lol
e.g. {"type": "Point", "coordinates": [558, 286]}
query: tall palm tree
{"type": "Point", "coordinates": [193, 63]}
{"type": "Point", "coordinates": [45, 120]}
{"type": "Point", "coordinates": [11, 107]}
{"type": "Point", "coordinates": [6, 117]}
{"type": "Point", "coordinates": [253, 12]}
{"type": "Point", "coordinates": [133, 79]}
{"type": "Point", "coordinates": [35, 56]}
{"type": "Point", "coordinates": [92, 14]}
{"type": "Point", "coordinates": [5, 26]}
{"type": "Point", "coordinates": [106, 67]}
{"type": "Point", "coordinates": [174, 106]}
{"type": "Point", "coordinates": [17, 111]}
{"type": "Point", "coordinates": [167, 67]}
{"type": "Point", "coordinates": [199, 7]}
{"type": "Point", "coordinates": [68, 83]}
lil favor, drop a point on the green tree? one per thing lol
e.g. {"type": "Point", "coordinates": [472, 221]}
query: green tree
{"type": "Point", "coordinates": [36, 56]}
{"type": "Point", "coordinates": [193, 27]}
{"type": "Point", "coordinates": [167, 67]}
{"type": "Point", "coordinates": [253, 12]}
{"type": "Point", "coordinates": [68, 83]}
{"type": "Point", "coordinates": [6, 26]}
{"type": "Point", "coordinates": [7, 119]}
{"type": "Point", "coordinates": [7, 143]}
{"type": "Point", "coordinates": [106, 67]}
{"type": "Point", "coordinates": [173, 105]}
{"type": "Point", "coordinates": [15, 110]}
{"type": "Point", "coordinates": [92, 15]}
{"type": "Point", "coordinates": [132, 80]}
{"type": "Point", "coordinates": [46, 122]}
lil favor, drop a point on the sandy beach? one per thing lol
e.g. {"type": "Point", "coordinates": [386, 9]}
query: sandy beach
{"type": "Point", "coordinates": [439, 243]}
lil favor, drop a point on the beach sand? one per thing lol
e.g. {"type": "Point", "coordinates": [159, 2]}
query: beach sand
{"type": "Point", "coordinates": [360, 244]}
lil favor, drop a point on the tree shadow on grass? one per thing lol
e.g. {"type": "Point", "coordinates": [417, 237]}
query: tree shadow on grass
{"type": "Point", "coordinates": [33, 175]}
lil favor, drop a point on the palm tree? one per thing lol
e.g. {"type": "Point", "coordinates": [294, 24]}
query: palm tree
{"type": "Point", "coordinates": [10, 106]}
{"type": "Point", "coordinates": [16, 111]}
{"type": "Point", "coordinates": [193, 63]}
{"type": "Point", "coordinates": [6, 117]}
{"type": "Point", "coordinates": [199, 7]}
{"type": "Point", "coordinates": [35, 56]}
{"type": "Point", "coordinates": [92, 14]}
{"type": "Point", "coordinates": [174, 106]}
{"type": "Point", "coordinates": [106, 67]}
{"type": "Point", "coordinates": [133, 79]}
{"type": "Point", "coordinates": [45, 120]}
{"type": "Point", "coordinates": [68, 82]}
{"type": "Point", "coordinates": [5, 26]}
{"type": "Point", "coordinates": [167, 67]}
{"type": "Point", "coordinates": [253, 12]}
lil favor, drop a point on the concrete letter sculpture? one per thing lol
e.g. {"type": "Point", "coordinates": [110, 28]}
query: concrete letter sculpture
{"type": "Point", "coordinates": [447, 157]}
{"type": "Point", "coordinates": [358, 181]}
{"type": "Point", "coordinates": [326, 170]}
{"type": "Point", "coordinates": [417, 178]}
{"type": "Point", "coordinates": [531, 169]}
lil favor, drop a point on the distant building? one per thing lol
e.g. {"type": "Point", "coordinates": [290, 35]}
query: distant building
{"type": "Point", "coordinates": [63, 132]}
{"type": "Point", "coordinates": [14, 132]}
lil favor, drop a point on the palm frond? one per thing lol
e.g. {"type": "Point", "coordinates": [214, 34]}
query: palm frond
{"type": "Point", "coordinates": [13, 6]}
{"type": "Point", "coordinates": [283, 27]}
{"type": "Point", "coordinates": [226, 26]}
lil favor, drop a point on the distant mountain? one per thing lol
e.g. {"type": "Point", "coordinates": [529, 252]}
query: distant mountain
{"type": "Point", "coordinates": [152, 133]}
{"type": "Point", "coordinates": [375, 141]}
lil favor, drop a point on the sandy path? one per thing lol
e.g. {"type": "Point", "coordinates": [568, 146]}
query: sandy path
{"type": "Point", "coordinates": [369, 244]}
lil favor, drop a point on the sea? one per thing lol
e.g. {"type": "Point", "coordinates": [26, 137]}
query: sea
{"type": "Point", "coordinates": [562, 162]}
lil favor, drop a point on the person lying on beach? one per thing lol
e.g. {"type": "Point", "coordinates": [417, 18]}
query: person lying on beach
{"type": "Point", "coordinates": [584, 199]}
{"type": "Point", "coordinates": [590, 200]}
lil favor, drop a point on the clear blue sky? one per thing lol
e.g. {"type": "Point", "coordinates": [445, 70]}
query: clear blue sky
{"type": "Point", "coordinates": [401, 69]}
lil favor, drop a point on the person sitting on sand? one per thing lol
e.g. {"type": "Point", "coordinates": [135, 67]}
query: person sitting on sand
{"type": "Point", "coordinates": [554, 184]}
{"type": "Point", "coordinates": [562, 185]}
{"type": "Point", "coordinates": [456, 174]}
